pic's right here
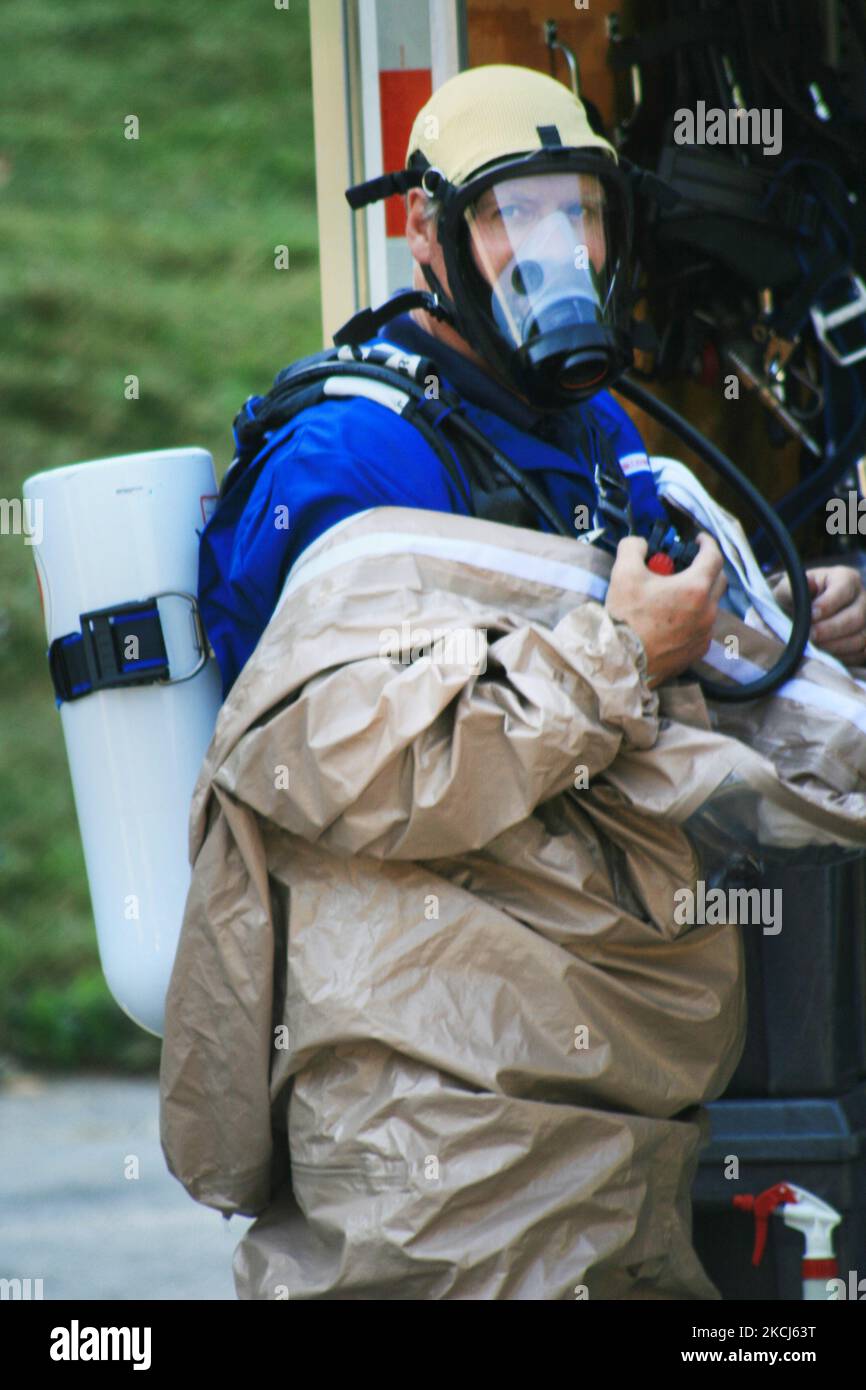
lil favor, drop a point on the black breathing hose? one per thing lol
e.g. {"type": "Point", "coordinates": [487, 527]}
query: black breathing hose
{"type": "Point", "coordinates": [778, 532]}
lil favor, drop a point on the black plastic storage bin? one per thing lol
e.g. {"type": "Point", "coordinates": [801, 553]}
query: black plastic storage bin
{"type": "Point", "coordinates": [806, 986]}
{"type": "Point", "coordinates": [819, 1144]}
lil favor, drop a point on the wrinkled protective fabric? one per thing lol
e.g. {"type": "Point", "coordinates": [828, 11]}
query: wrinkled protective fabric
{"type": "Point", "coordinates": [432, 1018]}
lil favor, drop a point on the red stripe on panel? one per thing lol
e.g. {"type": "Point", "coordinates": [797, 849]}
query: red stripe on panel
{"type": "Point", "coordinates": [402, 93]}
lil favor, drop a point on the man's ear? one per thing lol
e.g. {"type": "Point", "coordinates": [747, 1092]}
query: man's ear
{"type": "Point", "coordinates": [420, 232]}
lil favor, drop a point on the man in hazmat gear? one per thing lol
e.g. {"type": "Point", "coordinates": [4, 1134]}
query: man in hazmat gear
{"type": "Point", "coordinates": [433, 1019]}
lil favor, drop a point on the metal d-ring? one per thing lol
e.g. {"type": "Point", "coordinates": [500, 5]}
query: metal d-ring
{"type": "Point", "coordinates": [201, 642]}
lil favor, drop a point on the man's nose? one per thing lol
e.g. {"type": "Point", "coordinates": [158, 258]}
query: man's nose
{"type": "Point", "coordinates": [555, 235]}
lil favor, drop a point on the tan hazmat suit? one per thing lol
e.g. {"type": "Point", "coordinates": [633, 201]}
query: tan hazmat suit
{"type": "Point", "coordinates": [433, 1018]}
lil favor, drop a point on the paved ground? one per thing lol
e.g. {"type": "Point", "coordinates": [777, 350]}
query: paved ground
{"type": "Point", "coordinates": [69, 1215]}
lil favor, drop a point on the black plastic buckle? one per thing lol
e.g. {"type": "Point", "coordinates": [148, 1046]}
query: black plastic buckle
{"type": "Point", "coordinates": [99, 657]}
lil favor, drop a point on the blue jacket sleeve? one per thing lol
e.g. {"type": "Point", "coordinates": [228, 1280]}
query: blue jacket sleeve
{"type": "Point", "coordinates": [330, 462]}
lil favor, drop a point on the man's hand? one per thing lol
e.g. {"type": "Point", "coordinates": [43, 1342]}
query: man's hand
{"type": "Point", "coordinates": [673, 615]}
{"type": "Point", "coordinates": [838, 610]}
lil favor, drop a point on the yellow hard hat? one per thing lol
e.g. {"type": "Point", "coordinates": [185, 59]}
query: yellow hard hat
{"type": "Point", "coordinates": [494, 112]}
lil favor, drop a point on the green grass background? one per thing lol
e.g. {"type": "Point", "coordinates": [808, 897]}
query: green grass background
{"type": "Point", "coordinates": [153, 257]}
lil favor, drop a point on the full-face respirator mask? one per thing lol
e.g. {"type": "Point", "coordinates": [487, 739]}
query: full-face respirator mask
{"type": "Point", "coordinates": [536, 252]}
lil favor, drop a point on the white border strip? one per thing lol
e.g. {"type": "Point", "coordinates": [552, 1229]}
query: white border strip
{"type": "Point", "coordinates": [444, 41]}
{"type": "Point", "coordinates": [552, 573]}
{"type": "Point", "coordinates": [803, 692]}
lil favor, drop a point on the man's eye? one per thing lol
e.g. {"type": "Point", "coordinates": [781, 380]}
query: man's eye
{"type": "Point", "coordinates": [512, 212]}
{"type": "Point", "coordinates": [590, 211]}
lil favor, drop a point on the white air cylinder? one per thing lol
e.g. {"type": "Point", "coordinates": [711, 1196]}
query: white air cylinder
{"type": "Point", "coordinates": [108, 532]}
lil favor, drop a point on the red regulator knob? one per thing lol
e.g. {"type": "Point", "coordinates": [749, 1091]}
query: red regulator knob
{"type": "Point", "coordinates": [660, 563]}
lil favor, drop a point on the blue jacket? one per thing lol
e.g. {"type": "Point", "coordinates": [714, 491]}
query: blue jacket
{"type": "Point", "coordinates": [343, 456]}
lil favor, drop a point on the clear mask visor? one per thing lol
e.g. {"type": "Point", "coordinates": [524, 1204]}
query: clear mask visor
{"type": "Point", "coordinates": [543, 243]}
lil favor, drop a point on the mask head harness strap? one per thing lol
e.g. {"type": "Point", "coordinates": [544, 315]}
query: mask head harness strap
{"type": "Point", "coordinates": [549, 136]}
{"type": "Point", "coordinates": [421, 174]}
